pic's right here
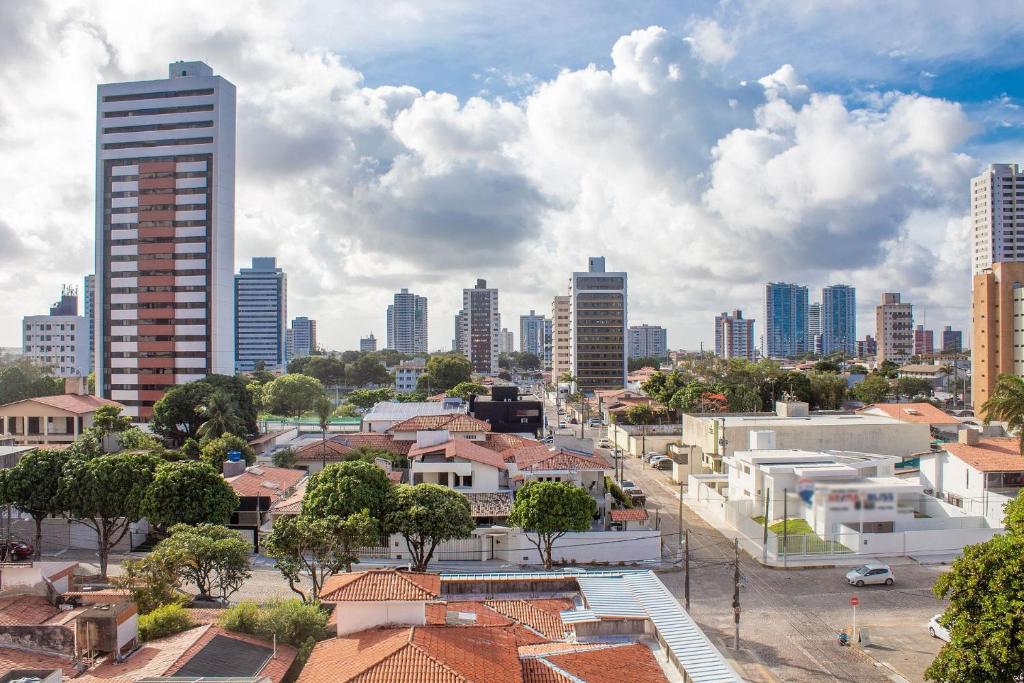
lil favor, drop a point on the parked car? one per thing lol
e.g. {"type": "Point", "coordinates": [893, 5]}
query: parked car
{"type": "Point", "coordinates": [604, 443]}
{"type": "Point", "coordinates": [562, 424]}
{"type": "Point", "coordinates": [594, 422]}
{"type": "Point", "coordinates": [664, 464]}
{"type": "Point", "coordinates": [937, 630]}
{"type": "Point", "coordinates": [870, 573]}
{"type": "Point", "coordinates": [652, 455]}
{"type": "Point", "coordinates": [15, 550]}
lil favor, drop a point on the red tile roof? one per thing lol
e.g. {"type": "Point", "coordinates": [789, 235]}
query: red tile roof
{"type": "Point", "coordinates": [990, 454]}
{"type": "Point", "coordinates": [267, 482]}
{"type": "Point", "coordinates": [461, 448]}
{"type": "Point", "coordinates": [72, 403]}
{"type": "Point", "coordinates": [25, 610]}
{"type": "Point", "coordinates": [16, 658]}
{"type": "Point", "coordinates": [612, 664]}
{"type": "Point", "coordinates": [275, 669]}
{"type": "Point", "coordinates": [453, 423]}
{"type": "Point", "coordinates": [543, 616]}
{"type": "Point", "coordinates": [503, 442]}
{"type": "Point", "coordinates": [560, 460]}
{"type": "Point", "coordinates": [538, 671]}
{"type": "Point", "coordinates": [629, 515]}
{"type": "Point", "coordinates": [924, 413]}
{"type": "Point", "coordinates": [437, 613]}
{"type": "Point", "coordinates": [384, 442]}
{"type": "Point", "coordinates": [315, 451]}
{"type": "Point", "coordinates": [381, 585]}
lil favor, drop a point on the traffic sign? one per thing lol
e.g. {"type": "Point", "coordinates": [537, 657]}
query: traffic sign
{"type": "Point", "coordinates": [854, 601]}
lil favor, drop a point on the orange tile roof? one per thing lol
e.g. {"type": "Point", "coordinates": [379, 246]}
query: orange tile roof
{"type": "Point", "coordinates": [437, 613]}
{"type": "Point", "coordinates": [25, 610]}
{"type": "Point", "coordinates": [16, 658]}
{"type": "Point", "coordinates": [990, 454]}
{"type": "Point", "coordinates": [453, 423]}
{"type": "Point", "coordinates": [538, 671]}
{"type": "Point", "coordinates": [267, 482]}
{"type": "Point", "coordinates": [274, 669]}
{"type": "Point", "coordinates": [543, 616]}
{"type": "Point", "coordinates": [561, 461]}
{"type": "Point", "coordinates": [72, 403]}
{"type": "Point", "coordinates": [385, 442]}
{"type": "Point", "coordinates": [629, 515]}
{"type": "Point", "coordinates": [380, 585]}
{"type": "Point", "coordinates": [152, 659]}
{"type": "Point", "coordinates": [461, 448]}
{"type": "Point", "coordinates": [315, 451]}
{"type": "Point", "coordinates": [924, 413]}
{"type": "Point", "coordinates": [292, 505]}
{"type": "Point", "coordinates": [612, 664]}
{"type": "Point", "coordinates": [503, 442]}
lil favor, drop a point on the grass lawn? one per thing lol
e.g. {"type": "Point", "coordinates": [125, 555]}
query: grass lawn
{"type": "Point", "coordinates": [800, 538]}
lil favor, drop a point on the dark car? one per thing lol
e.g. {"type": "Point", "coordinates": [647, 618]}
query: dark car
{"type": "Point", "coordinates": [15, 550]}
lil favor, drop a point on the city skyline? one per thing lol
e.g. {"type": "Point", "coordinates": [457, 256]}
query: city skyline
{"type": "Point", "coordinates": [819, 239]}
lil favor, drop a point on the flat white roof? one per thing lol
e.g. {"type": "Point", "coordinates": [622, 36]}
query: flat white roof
{"type": "Point", "coordinates": [769, 421]}
{"type": "Point", "coordinates": [871, 483]}
{"type": "Point", "coordinates": [393, 410]}
{"type": "Point", "coordinates": [797, 456]}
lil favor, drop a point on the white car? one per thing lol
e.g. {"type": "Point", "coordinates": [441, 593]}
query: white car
{"type": "Point", "coordinates": [562, 425]}
{"type": "Point", "coordinates": [872, 572]}
{"type": "Point", "coordinates": [604, 443]}
{"type": "Point", "coordinates": [658, 458]}
{"type": "Point", "coordinates": [937, 630]}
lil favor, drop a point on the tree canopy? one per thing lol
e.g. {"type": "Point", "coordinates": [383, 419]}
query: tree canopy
{"type": "Point", "coordinates": [426, 515]}
{"type": "Point", "coordinates": [215, 451]}
{"type": "Point", "coordinates": [1007, 404]}
{"type": "Point", "coordinates": [368, 398]}
{"type": "Point", "coordinates": [33, 486]}
{"type": "Point", "coordinates": [872, 389]}
{"type": "Point", "coordinates": [346, 488]}
{"type": "Point", "coordinates": [24, 379]}
{"type": "Point", "coordinates": [292, 394]}
{"type": "Point", "coordinates": [182, 410]}
{"type": "Point", "coordinates": [464, 389]}
{"type": "Point", "coordinates": [213, 558]}
{"type": "Point", "coordinates": [444, 371]}
{"type": "Point", "coordinates": [548, 510]}
{"type": "Point", "coordinates": [189, 492]}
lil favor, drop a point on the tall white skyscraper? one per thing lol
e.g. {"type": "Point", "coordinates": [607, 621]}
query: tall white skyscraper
{"type": "Point", "coordinates": [814, 336]}
{"type": "Point", "coordinates": [995, 221]}
{"type": "Point", "coordinates": [839, 319]}
{"type": "Point", "coordinates": [894, 327]}
{"type": "Point", "coordinates": [261, 316]}
{"type": "Point", "coordinates": [561, 353]}
{"type": "Point", "coordinates": [534, 332]}
{"type": "Point", "coordinates": [59, 340]}
{"type": "Point", "coordinates": [734, 336]}
{"type": "Point", "coordinates": [165, 234]}
{"type": "Point", "coordinates": [648, 341]}
{"type": "Point", "coordinates": [506, 341]}
{"type": "Point", "coordinates": [598, 310]}
{"type": "Point", "coordinates": [303, 337]}
{"type": "Point", "coordinates": [479, 327]}
{"type": "Point", "coordinates": [407, 323]}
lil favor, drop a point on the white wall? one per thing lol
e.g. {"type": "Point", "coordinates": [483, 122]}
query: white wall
{"type": "Point", "coordinates": [31, 575]}
{"type": "Point", "coordinates": [127, 630]}
{"type": "Point", "coordinates": [910, 542]}
{"type": "Point", "coordinates": [358, 616]}
{"type": "Point", "coordinates": [590, 546]}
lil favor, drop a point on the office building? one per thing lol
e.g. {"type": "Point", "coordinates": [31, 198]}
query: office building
{"type": "Point", "coordinates": [479, 327]}
{"type": "Point", "coordinates": [506, 341]}
{"type": "Point", "coordinates": [867, 347]}
{"type": "Point", "coordinates": [952, 340]}
{"type": "Point", "coordinates": [648, 341]}
{"type": "Point", "coordinates": [458, 343]}
{"type": "Point", "coordinates": [535, 336]}
{"type": "Point", "coordinates": [995, 221]}
{"type": "Point", "coordinates": [894, 329]}
{"type": "Point", "coordinates": [59, 340]}
{"type": "Point", "coordinates": [368, 344]}
{"type": "Point", "coordinates": [839, 320]}
{"type": "Point", "coordinates": [734, 336]}
{"type": "Point", "coordinates": [785, 319]}
{"type": "Point", "coordinates": [814, 336]}
{"type": "Point", "coordinates": [407, 323]}
{"type": "Point", "coordinates": [924, 341]}
{"type": "Point", "coordinates": [165, 234]}
{"type": "Point", "coordinates": [261, 316]}
{"type": "Point", "coordinates": [561, 353]}
{"type": "Point", "coordinates": [303, 338]}
{"type": "Point", "coordinates": [89, 313]}
{"type": "Point", "coordinates": [597, 330]}
{"type": "Point", "coordinates": [997, 313]}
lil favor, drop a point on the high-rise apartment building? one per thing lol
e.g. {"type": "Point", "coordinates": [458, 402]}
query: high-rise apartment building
{"type": "Point", "coordinates": [303, 338]}
{"type": "Point", "coordinates": [952, 340]}
{"type": "Point", "coordinates": [261, 316]}
{"type": "Point", "coordinates": [648, 341]}
{"type": "Point", "coordinates": [734, 336]}
{"type": "Point", "coordinates": [534, 335]}
{"type": "Point", "coordinates": [506, 341]}
{"type": "Point", "coordinates": [996, 221]}
{"type": "Point", "coordinates": [839, 319]}
{"type": "Point", "coordinates": [924, 341]}
{"type": "Point", "coordinates": [59, 340]}
{"type": "Point", "coordinates": [997, 315]}
{"type": "Point", "coordinates": [867, 347]}
{"type": "Point", "coordinates": [894, 329]}
{"type": "Point", "coordinates": [561, 351]}
{"type": "Point", "coordinates": [407, 323]}
{"type": "Point", "coordinates": [89, 313]}
{"type": "Point", "coordinates": [785, 319]}
{"type": "Point", "coordinates": [368, 344]}
{"type": "Point", "coordinates": [479, 327]}
{"type": "Point", "coordinates": [165, 234]}
{"type": "Point", "coordinates": [815, 340]}
{"type": "Point", "coordinates": [458, 341]}
{"type": "Point", "coordinates": [598, 324]}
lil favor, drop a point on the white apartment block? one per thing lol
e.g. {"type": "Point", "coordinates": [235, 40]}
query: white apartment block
{"type": "Point", "coordinates": [894, 327]}
{"type": "Point", "coordinates": [301, 337]}
{"type": "Point", "coordinates": [997, 216]}
{"type": "Point", "coordinates": [59, 341]}
{"type": "Point", "coordinates": [407, 375]}
{"type": "Point", "coordinates": [506, 341]}
{"type": "Point", "coordinates": [407, 323]}
{"type": "Point", "coordinates": [598, 327]}
{"type": "Point", "coordinates": [734, 336]}
{"type": "Point", "coordinates": [89, 312]}
{"type": "Point", "coordinates": [479, 328]}
{"type": "Point", "coordinates": [648, 341]}
{"type": "Point", "coordinates": [165, 234]}
{"type": "Point", "coordinates": [534, 331]}
{"type": "Point", "coordinates": [561, 354]}
{"type": "Point", "coordinates": [261, 316]}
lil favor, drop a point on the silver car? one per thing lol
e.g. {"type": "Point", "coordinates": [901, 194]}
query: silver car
{"type": "Point", "coordinates": [937, 630]}
{"type": "Point", "coordinates": [870, 573]}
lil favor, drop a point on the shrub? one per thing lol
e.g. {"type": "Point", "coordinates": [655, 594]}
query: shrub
{"type": "Point", "coordinates": [164, 621]}
{"type": "Point", "coordinates": [617, 493]}
{"type": "Point", "coordinates": [284, 458]}
{"type": "Point", "coordinates": [243, 617]}
{"type": "Point", "coordinates": [293, 622]}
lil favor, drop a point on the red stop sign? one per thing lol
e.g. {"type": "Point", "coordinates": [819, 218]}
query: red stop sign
{"type": "Point", "coordinates": [854, 601]}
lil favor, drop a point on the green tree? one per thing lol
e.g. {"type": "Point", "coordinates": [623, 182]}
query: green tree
{"type": "Point", "coordinates": [220, 416]}
{"type": "Point", "coordinates": [370, 455]}
{"type": "Point", "coordinates": [178, 414]}
{"type": "Point", "coordinates": [368, 398]}
{"type": "Point", "coordinates": [367, 370]}
{"type": "Point", "coordinates": [644, 362]}
{"type": "Point", "coordinates": [189, 492]}
{"type": "Point", "coordinates": [828, 390]}
{"type": "Point", "coordinates": [426, 515]}
{"type": "Point", "coordinates": [444, 371]}
{"type": "Point", "coordinates": [347, 410]}
{"type": "Point", "coordinates": [215, 451]}
{"type": "Point", "coordinates": [293, 395]}
{"type": "Point", "coordinates": [857, 369]}
{"type": "Point", "coordinates": [284, 457]}
{"type": "Point", "coordinates": [135, 439]}
{"type": "Point", "coordinates": [872, 389]}
{"type": "Point", "coordinates": [888, 369]}
{"type": "Point", "coordinates": [464, 389]}
{"type": "Point", "coordinates": [316, 548]}
{"type": "Point", "coordinates": [548, 510]}
{"type": "Point", "coordinates": [151, 581]}
{"type": "Point", "coordinates": [164, 621]}
{"type": "Point", "coordinates": [343, 489]}
{"type": "Point", "coordinates": [566, 378]}
{"type": "Point", "coordinates": [640, 414]}
{"type": "Point", "coordinates": [109, 420]}
{"type": "Point", "coordinates": [292, 622]}
{"type": "Point", "coordinates": [33, 486]}
{"type": "Point", "coordinates": [914, 386]}
{"type": "Point", "coordinates": [107, 493]}
{"type": "Point", "coordinates": [1006, 404]}
{"type": "Point", "coordinates": [24, 379]}
{"type": "Point", "coordinates": [213, 558]}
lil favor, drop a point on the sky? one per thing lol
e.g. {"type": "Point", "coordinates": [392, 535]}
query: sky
{"type": "Point", "coordinates": [703, 147]}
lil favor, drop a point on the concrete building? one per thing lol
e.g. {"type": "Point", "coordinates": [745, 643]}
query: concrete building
{"type": "Point", "coordinates": [50, 419]}
{"type": "Point", "coordinates": [561, 350]}
{"type": "Point", "coordinates": [867, 347]}
{"type": "Point", "coordinates": [506, 341]}
{"type": "Point", "coordinates": [598, 324]}
{"type": "Point", "coordinates": [165, 234]}
{"type": "Point", "coordinates": [997, 313]}
{"type": "Point", "coordinates": [535, 336]}
{"type": "Point", "coordinates": [894, 329]}
{"type": "Point", "coordinates": [479, 327]}
{"type": "Point", "coordinates": [407, 323]}
{"type": "Point", "coordinates": [952, 340]}
{"type": "Point", "coordinates": [648, 341]}
{"type": "Point", "coordinates": [839, 319]}
{"type": "Point", "coordinates": [785, 319]}
{"type": "Point", "coordinates": [924, 341]}
{"type": "Point", "coordinates": [734, 336]}
{"type": "Point", "coordinates": [407, 374]}
{"type": "Point", "coordinates": [814, 336]}
{"type": "Point", "coordinates": [89, 313]}
{"type": "Point", "coordinates": [60, 339]}
{"type": "Point", "coordinates": [994, 220]}
{"type": "Point", "coordinates": [261, 316]}
{"type": "Point", "coordinates": [368, 344]}
{"type": "Point", "coordinates": [303, 337]}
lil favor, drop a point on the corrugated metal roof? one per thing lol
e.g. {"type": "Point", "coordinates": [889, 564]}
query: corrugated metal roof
{"type": "Point", "coordinates": [579, 616]}
{"type": "Point", "coordinates": [609, 597]}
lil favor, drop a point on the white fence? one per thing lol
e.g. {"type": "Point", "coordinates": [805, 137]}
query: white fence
{"type": "Point", "coordinates": [921, 542]}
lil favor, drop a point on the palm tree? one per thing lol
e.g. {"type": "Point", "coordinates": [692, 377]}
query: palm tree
{"type": "Point", "coordinates": [324, 409]}
{"type": "Point", "coordinates": [221, 416]}
{"type": "Point", "coordinates": [1007, 404]}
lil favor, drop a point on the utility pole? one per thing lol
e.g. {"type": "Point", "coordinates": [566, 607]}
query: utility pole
{"type": "Point", "coordinates": [680, 515]}
{"type": "Point", "coordinates": [764, 537]}
{"type": "Point", "coordinates": [785, 527]}
{"type": "Point", "coordinates": [686, 567]}
{"type": "Point", "coordinates": [736, 590]}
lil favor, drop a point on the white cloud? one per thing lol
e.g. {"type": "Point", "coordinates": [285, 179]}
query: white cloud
{"type": "Point", "coordinates": [710, 42]}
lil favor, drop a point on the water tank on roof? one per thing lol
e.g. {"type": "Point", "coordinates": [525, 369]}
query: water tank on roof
{"type": "Point", "coordinates": [234, 456]}
{"type": "Point", "coordinates": [762, 440]}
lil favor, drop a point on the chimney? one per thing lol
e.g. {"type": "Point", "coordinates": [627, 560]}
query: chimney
{"type": "Point", "coordinates": [234, 464]}
{"type": "Point", "coordinates": [968, 437]}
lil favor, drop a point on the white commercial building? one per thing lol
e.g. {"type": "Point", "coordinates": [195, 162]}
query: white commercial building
{"type": "Point", "coordinates": [407, 374]}
{"type": "Point", "coordinates": [59, 341]}
{"type": "Point", "coordinates": [598, 327]}
{"type": "Point", "coordinates": [894, 329]}
{"type": "Point", "coordinates": [301, 337]}
{"type": "Point", "coordinates": [648, 341]}
{"type": "Point", "coordinates": [561, 353]}
{"type": "Point", "coordinates": [478, 328]}
{"type": "Point", "coordinates": [734, 336]}
{"type": "Point", "coordinates": [165, 234]}
{"type": "Point", "coordinates": [407, 323]}
{"type": "Point", "coordinates": [995, 218]}
{"type": "Point", "coordinates": [261, 316]}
